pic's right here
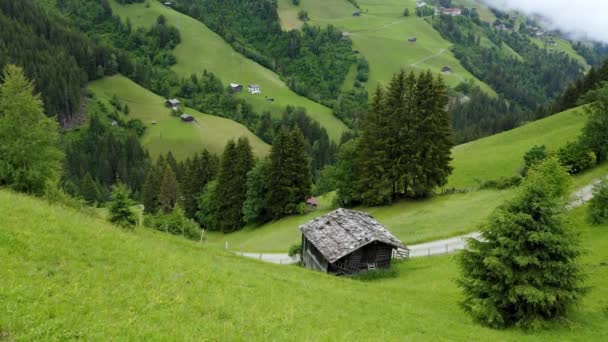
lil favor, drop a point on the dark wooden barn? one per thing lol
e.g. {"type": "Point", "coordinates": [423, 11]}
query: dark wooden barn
{"type": "Point", "coordinates": [347, 242]}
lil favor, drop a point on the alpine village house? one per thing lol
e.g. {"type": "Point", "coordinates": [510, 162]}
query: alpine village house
{"type": "Point", "coordinates": [346, 242]}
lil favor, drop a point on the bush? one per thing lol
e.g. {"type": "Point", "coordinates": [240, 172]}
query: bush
{"type": "Point", "coordinates": [502, 183]}
{"type": "Point", "coordinates": [120, 211]}
{"type": "Point", "coordinates": [295, 250]}
{"type": "Point", "coordinates": [598, 206]}
{"type": "Point", "coordinates": [576, 158]}
{"type": "Point", "coordinates": [175, 223]}
{"type": "Point", "coordinates": [535, 155]}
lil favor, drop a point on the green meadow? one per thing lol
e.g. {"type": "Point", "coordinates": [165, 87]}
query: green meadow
{"type": "Point", "coordinates": [201, 49]}
{"type": "Point", "coordinates": [501, 155]}
{"type": "Point", "coordinates": [67, 276]}
{"type": "Point", "coordinates": [170, 133]}
{"type": "Point", "coordinates": [381, 35]}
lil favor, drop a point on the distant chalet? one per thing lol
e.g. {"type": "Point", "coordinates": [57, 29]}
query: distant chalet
{"type": "Point", "coordinates": [186, 118]}
{"type": "Point", "coordinates": [347, 242]}
{"type": "Point", "coordinates": [454, 12]}
{"type": "Point", "coordinates": [356, 13]}
{"type": "Point", "coordinates": [172, 103]}
{"type": "Point", "coordinates": [235, 87]}
{"type": "Point", "coordinates": [254, 89]}
{"type": "Point", "coordinates": [446, 70]}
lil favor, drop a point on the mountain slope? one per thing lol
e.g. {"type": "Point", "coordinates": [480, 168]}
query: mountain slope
{"type": "Point", "coordinates": [169, 133]}
{"type": "Point", "coordinates": [501, 155]}
{"type": "Point", "coordinates": [201, 49]}
{"type": "Point", "coordinates": [381, 35]}
{"type": "Point", "coordinates": [67, 276]}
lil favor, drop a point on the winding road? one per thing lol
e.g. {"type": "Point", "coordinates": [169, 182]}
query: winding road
{"type": "Point", "coordinates": [438, 247]}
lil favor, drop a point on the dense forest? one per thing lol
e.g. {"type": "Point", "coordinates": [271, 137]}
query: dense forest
{"type": "Point", "coordinates": [58, 57]}
{"type": "Point", "coordinates": [313, 61]}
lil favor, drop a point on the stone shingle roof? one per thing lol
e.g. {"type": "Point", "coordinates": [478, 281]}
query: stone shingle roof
{"type": "Point", "coordinates": [343, 231]}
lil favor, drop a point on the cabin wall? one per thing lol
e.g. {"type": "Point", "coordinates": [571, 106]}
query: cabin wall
{"type": "Point", "coordinates": [377, 253]}
{"type": "Point", "coordinates": [311, 257]}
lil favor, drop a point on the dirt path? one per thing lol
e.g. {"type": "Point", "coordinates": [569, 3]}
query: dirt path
{"type": "Point", "coordinates": [427, 58]}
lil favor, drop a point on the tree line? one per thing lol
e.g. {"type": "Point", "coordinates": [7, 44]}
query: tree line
{"type": "Point", "coordinates": [223, 194]}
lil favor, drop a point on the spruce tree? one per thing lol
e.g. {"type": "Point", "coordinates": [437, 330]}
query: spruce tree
{"type": "Point", "coordinates": [169, 190]}
{"type": "Point", "coordinates": [374, 184]}
{"type": "Point", "coordinates": [197, 173]}
{"type": "Point", "coordinates": [595, 132]}
{"type": "Point", "coordinates": [231, 191]}
{"type": "Point", "coordinates": [289, 178]}
{"type": "Point", "coordinates": [89, 189]}
{"type": "Point", "coordinates": [254, 208]}
{"type": "Point", "coordinates": [151, 189]}
{"type": "Point", "coordinates": [523, 271]}
{"type": "Point", "coordinates": [30, 158]}
{"type": "Point", "coordinates": [120, 211]}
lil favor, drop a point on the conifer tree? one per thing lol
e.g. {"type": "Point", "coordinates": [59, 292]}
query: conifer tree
{"type": "Point", "coordinates": [289, 178]}
{"type": "Point", "coordinates": [120, 211]}
{"type": "Point", "coordinates": [29, 154]}
{"type": "Point", "coordinates": [150, 191]}
{"type": "Point", "coordinates": [374, 185]}
{"type": "Point", "coordinates": [254, 209]}
{"type": "Point", "coordinates": [523, 271]}
{"type": "Point", "coordinates": [90, 190]}
{"type": "Point", "coordinates": [197, 173]}
{"type": "Point", "coordinates": [231, 191]}
{"type": "Point", "coordinates": [169, 190]}
{"type": "Point", "coordinates": [595, 132]}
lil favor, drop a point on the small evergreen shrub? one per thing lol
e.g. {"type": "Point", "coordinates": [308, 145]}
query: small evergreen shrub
{"type": "Point", "coordinates": [598, 206]}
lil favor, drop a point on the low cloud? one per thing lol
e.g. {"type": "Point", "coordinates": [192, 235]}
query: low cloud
{"type": "Point", "coordinates": [583, 19]}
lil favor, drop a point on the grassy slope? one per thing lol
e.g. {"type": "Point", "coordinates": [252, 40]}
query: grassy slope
{"type": "Point", "coordinates": [501, 155]}
{"type": "Point", "coordinates": [202, 49]}
{"type": "Point", "coordinates": [381, 34]}
{"type": "Point", "coordinates": [563, 46]}
{"type": "Point", "coordinates": [170, 134]}
{"type": "Point", "coordinates": [67, 276]}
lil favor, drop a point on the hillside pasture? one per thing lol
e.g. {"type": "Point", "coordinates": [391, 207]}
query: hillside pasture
{"type": "Point", "coordinates": [170, 133]}
{"type": "Point", "coordinates": [67, 276]}
{"type": "Point", "coordinates": [381, 35]}
{"type": "Point", "coordinates": [501, 155]}
{"type": "Point", "coordinates": [201, 49]}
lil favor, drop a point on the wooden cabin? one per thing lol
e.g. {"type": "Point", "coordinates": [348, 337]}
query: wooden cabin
{"type": "Point", "coordinates": [186, 118]}
{"type": "Point", "coordinates": [347, 242]}
{"type": "Point", "coordinates": [235, 87]}
{"type": "Point", "coordinates": [172, 103]}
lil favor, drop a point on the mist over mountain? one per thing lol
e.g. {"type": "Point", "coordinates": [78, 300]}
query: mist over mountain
{"type": "Point", "coordinates": [579, 19]}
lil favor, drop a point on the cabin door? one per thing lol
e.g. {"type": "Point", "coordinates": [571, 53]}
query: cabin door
{"type": "Point", "coordinates": [369, 254]}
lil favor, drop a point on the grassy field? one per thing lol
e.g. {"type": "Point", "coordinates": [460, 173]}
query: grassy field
{"type": "Point", "coordinates": [170, 133]}
{"type": "Point", "coordinates": [501, 155]}
{"type": "Point", "coordinates": [201, 49]}
{"type": "Point", "coordinates": [381, 34]}
{"type": "Point", "coordinates": [565, 47]}
{"type": "Point", "coordinates": [66, 276]}
{"type": "Point", "coordinates": [410, 221]}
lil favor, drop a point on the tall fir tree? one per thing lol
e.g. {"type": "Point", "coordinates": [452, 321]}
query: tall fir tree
{"type": "Point", "coordinates": [197, 173]}
{"type": "Point", "coordinates": [151, 190]}
{"type": "Point", "coordinates": [254, 208]}
{"type": "Point", "coordinates": [231, 190]}
{"type": "Point", "coordinates": [373, 184]}
{"type": "Point", "coordinates": [169, 190]}
{"type": "Point", "coordinates": [289, 178]}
